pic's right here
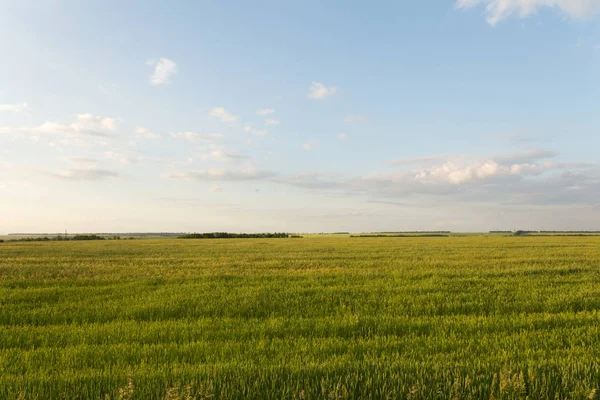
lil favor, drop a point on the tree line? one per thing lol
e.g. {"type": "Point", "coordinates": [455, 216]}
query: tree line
{"type": "Point", "coordinates": [227, 235]}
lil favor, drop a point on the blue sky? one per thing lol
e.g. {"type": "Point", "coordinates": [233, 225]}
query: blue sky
{"type": "Point", "coordinates": [308, 116]}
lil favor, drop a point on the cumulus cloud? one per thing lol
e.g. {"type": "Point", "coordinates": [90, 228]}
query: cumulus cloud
{"type": "Point", "coordinates": [163, 71]}
{"type": "Point", "coordinates": [193, 136]}
{"type": "Point", "coordinates": [355, 119]}
{"type": "Point", "coordinates": [497, 10]}
{"type": "Point", "coordinates": [85, 124]}
{"type": "Point", "coordinates": [109, 124]}
{"type": "Point", "coordinates": [265, 111]}
{"type": "Point", "coordinates": [319, 91]}
{"type": "Point", "coordinates": [224, 116]}
{"type": "Point", "coordinates": [453, 173]}
{"type": "Point", "coordinates": [14, 107]}
{"type": "Point", "coordinates": [342, 136]}
{"type": "Point", "coordinates": [271, 122]}
{"type": "Point", "coordinates": [457, 180]}
{"type": "Point", "coordinates": [143, 133]}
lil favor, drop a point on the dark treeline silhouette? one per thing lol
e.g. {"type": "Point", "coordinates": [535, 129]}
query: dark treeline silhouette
{"type": "Point", "coordinates": [87, 237]}
{"type": "Point", "coordinates": [61, 238]}
{"type": "Point", "coordinates": [226, 235]}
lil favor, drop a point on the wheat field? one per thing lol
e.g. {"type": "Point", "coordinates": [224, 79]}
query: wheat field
{"type": "Point", "coordinates": [328, 317]}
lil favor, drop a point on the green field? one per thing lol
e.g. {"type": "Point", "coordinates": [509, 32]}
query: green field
{"type": "Point", "coordinates": [314, 318]}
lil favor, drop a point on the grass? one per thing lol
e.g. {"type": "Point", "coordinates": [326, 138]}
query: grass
{"type": "Point", "coordinates": [321, 317]}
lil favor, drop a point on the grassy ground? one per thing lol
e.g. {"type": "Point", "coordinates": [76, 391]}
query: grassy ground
{"type": "Point", "coordinates": [320, 317]}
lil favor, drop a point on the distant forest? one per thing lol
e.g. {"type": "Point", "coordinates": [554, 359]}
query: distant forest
{"type": "Point", "coordinates": [226, 235]}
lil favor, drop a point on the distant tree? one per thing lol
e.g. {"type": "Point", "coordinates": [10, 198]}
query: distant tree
{"type": "Point", "coordinates": [87, 237]}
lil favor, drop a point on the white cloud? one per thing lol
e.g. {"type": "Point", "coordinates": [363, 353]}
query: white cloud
{"type": "Point", "coordinates": [319, 91]}
{"type": "Point", "coordinates": [85, 124]}
{"type": "Point", "coordinates": [306, 146]}
{"type": "Point", "coordinates": [193, 136]}
{"type": "Point", "coordinates": [144, 133]}
{"type": "Point", "coordinates": [122, 158]}
{"type": "Point", "coordinates": [109, 124]}
{"type": "Point", "coordinates": [216, 188]}
{"type": "Point", "coordinates": [342, 136]}
{"type": "Point", "coordinates": [85, 174]}
{"type": "Point", "coordinates": [355, 118]}
{"type": "Point", "coordinates": [163, 70]}
{"type": "Point", "coordinates": [256, 132]}
{"type": "Point", "coordinates": [79, 160]}
{"type": "Point", "coordinates": [221, 156]}
{"type": "Point", "coordinates": [497, 10]}
{"type": "Point", "coordinates": [248, 173]}
{"type": "Point", "coordinates": [14, 107]}
{"type": "Point", "coordinates": [265, 111]}
{"type": "Point", "coordinates": [271, 122]}
{"type": "Point", "coordinates": [223, 115]}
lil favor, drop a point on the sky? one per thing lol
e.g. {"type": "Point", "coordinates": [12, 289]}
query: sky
{"type": "Point", "coordinates": [299, 116]}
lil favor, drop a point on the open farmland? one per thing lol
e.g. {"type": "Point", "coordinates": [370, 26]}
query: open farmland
{"type": "Point", "coordinates": [318, 317]}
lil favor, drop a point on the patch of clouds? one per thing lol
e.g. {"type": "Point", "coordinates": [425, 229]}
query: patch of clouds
{"type": "Point", "coordinates": [85, 174]}
{"type": "Point", "coordinates": [143, 133]}
{"type": "Point", "coordinates": [221, 156]}
{"type": "Point", "coordinates": [194, 137]}
{"type": "Point", "coordinates": [109, 124]}
{"type": "Point", "coordinates": [15, 108]}
{"type": "Point", "coordinates": [464, 179]}
{"type": "Point", "coordinates": [164, 69]}
{"type": "Point", "coordinates": [256, 132]}
{"type": "Point", "coordinates": [498, 10]}
{"type": "Point", "coordinates": [341, 136]}
{"type": "Point", "coordinates": [319, 91]}
{"type": "Point", "coordinates": [122, 158]}
{"type": "Point", "coordinates": [247, 173]}
{"type": "Point", "coordinates": [216, 188]}
{"type": "Point", "coordinates": [223, 115]}
{"type": "Point", "coordinates": [84, 125]}
{"type": "Point", "coordinates": [271, 122]}
{"type": "Point", "coordinates": [265, 111]}
{"type": "Point", "coordinates": [454, 174]}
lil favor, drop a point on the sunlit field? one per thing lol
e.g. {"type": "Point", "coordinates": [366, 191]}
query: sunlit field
{"type": "Point", "coordinates": [309, 318]}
